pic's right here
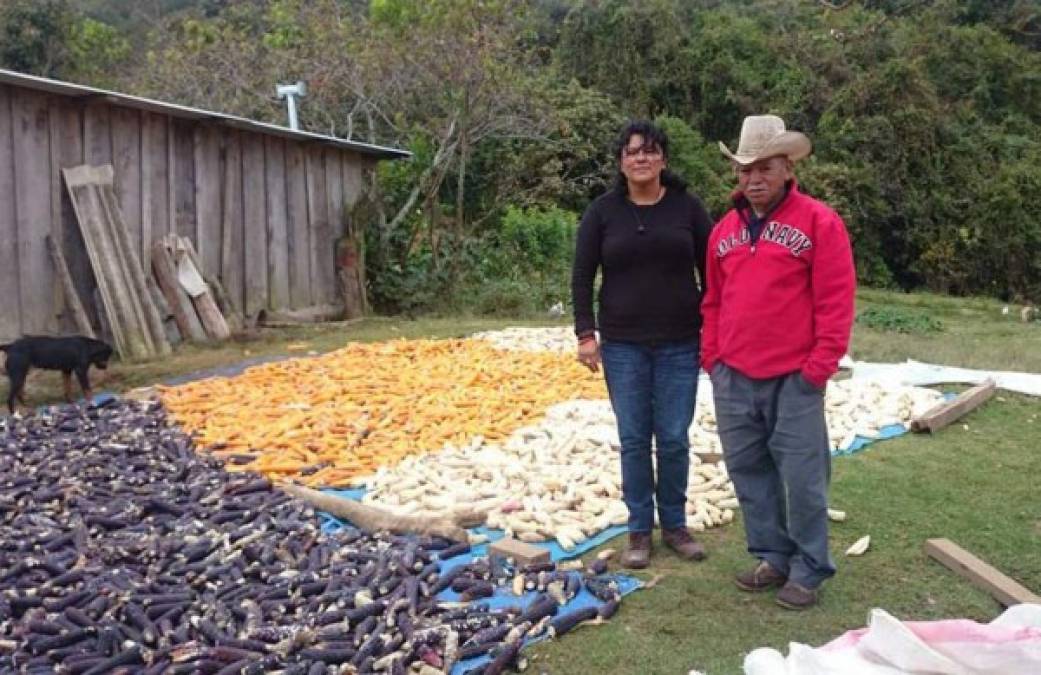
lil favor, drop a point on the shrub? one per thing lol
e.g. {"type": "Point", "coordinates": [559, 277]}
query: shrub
{"type": "Point", "coordinates": [895, 320]}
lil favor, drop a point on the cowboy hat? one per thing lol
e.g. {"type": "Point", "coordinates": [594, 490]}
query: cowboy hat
{"type": "Point", "coordinates": [764, 136]}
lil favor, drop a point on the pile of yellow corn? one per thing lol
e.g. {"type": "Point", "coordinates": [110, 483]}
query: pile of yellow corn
{"type": "Point", "coordinates": [330, 419]}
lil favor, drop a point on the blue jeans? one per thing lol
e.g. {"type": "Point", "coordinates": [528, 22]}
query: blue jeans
{"type": "Point", "coordinates": [652, 389]}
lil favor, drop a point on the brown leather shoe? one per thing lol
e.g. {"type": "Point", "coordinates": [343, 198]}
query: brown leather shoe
{"type": "Point", "coordinates": [680, 541]}
{"type": "Point", "coordinates": [796, 596]}
{"type": "Point", "coordinates": [638, 555]}
{"type": "Point", "coordinates": [761, 578]}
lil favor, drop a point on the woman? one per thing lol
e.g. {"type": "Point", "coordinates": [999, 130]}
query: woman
{"type": "Point", "coordinates": [647, 237]}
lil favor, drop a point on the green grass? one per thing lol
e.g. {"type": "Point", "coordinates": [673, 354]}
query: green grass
{"type": "Point", "coordinates": [976, 486]}
{"type": "Point", "coordinates": [975, 333]}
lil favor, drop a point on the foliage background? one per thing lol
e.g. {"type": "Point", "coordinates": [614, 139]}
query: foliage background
{"type": "Point", "coordinates": [925, 115]}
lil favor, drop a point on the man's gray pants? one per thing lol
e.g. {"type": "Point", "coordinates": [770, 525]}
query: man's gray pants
{"type": "Point", "coordinates": [775, 444]}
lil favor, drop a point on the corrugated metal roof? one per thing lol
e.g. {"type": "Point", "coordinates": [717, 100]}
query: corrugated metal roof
{"type": "Point", "coordinates": [82, 92]}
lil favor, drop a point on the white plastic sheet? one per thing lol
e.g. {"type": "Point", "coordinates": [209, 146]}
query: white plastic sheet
{"type": "Point", "coordinates": [1011, 645]}
{"type": "Point", "coordinates": [920, 374]}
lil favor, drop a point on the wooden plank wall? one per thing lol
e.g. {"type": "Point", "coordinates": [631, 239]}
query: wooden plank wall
{"type": "Point", "coordinates": [263, 211]}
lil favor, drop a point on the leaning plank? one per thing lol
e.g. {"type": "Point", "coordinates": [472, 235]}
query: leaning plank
{"type": "Point", "coordinates": [135, 323]}
{"type": "Point", "coordinates": [374, 518]}
{"type": "Point", "coordinates": [130, 263]}
{"type": "Point", "coordinates": [180, 305]}
{"type": "Point", "coordinates": [950, 411]}
{"type": "Point", "coordinates": [72, 298]}
{"type": "Point", "coordinates": [220, 295]}
{"type": "Point", "coordinates": [131, 270]}
{"type": "Point", "coordinates": [205, 304]}
{"type": "Point", "coordinates": [1005, 590]}
{"type": "Point", "coordinates": [126, 337]}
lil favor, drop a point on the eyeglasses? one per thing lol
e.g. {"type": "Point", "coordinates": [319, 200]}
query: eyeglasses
{"type": "Point", "coordinates": [651, 151]}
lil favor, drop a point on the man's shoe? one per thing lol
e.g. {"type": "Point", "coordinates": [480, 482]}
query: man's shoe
{"type": "Point", "coordinates": [761, 578]}
{"type": "Point", "coordinates": [796, 596]}
{"type": "Point", "coordinates": [638, 555]}
{"type": "Point", "coordinates": [680, 541]}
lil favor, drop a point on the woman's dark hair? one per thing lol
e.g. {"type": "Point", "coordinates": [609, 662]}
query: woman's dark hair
{"type": "Point", "coordinates": [653, 135]}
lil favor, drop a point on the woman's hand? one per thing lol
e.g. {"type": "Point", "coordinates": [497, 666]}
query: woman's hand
{"type": "Point", "coordinates": [589, 354]}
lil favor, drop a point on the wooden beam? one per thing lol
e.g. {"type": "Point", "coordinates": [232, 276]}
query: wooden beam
{"type": "Point", "coordinates": [520, 552]}
{"type": "Point", "coordinates": [950, 411]}
{"type": "Point", "coordinates": [205, 304]}
{"type": "Point", "coordinates": [1005, 590]}
{"type": "Point", "coordinates": [231, 316]}
{"type": "Point", "coordinates": [180, 305]}
{"type": "Point", "coordinates": [72, 298]}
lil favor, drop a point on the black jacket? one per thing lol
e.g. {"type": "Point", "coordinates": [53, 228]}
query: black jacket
{"type": "Point", "coordinates": [647, 256]}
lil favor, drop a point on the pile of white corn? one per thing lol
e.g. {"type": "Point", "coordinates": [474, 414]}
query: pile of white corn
{"type": "Point", "coordinates": [558, 480]}
{"type": "Point", "coordinates": [523, 339]}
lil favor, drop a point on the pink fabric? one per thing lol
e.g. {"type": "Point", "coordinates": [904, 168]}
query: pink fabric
{"type": "Point", "coordinates": [951, 630]}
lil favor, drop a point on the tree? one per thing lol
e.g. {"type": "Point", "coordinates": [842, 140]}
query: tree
{"type": "Point", "coordinates": [33, 36]}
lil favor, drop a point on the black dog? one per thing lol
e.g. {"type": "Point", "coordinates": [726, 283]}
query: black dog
{"type": "Point", "coordinates": [70, 355]}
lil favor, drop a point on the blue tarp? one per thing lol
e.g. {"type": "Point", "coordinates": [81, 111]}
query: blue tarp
{"type": "Point", "coordinates": [885, 433]}
{"type": "Point", "coordinates": [504, 596]}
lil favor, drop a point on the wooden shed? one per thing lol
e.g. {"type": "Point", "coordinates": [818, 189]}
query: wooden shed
{"type": "Point", "coordinates": [263, 204]}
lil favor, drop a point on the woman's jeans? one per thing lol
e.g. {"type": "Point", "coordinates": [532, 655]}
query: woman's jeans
{"type": "Point", "coordinates": [652, 389]}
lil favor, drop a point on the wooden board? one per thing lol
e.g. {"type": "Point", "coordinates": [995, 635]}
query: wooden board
{"type": "Point", "coordinates": [10, 310]}
{"type": "Point", "coordinates": [208, 198]}
{"type": "Point", "coordinates": [299, 234]}
{"type": "Point", "coordinates": [350, 256]}
{"type": "Point", "coordinates": [134, 321]}
{"type": "Point", "coordinates": [132, 267]}
{"type": "Point", "coordinates": [66, 318]}
{"type": "Point", "coordinates": [1005, 590]}
{"type": "Point", "coordinates": [32, 184]}
{"type": "Point", "coordinates": [254, 208]}
{"type": "Point", "coordinates": [232, 266]}
{"type": "Point", "coordinates": [950, 411]}
{"type": "Point", "coordinates": [171, 176]}
{"type": "Point", "coordinates": [334, 192]}
{"type": "Point", "coordinates": [180, 304]}
{"type": "Point", "coordinates": [322, 264]}
{"type": "Point", "coordinates": [520, 552]}
{"type": "Point", "coordinates": [277, 223]}
{"type": "Point", "coordinates": [206, 303]}
{"type": "Point", "coordinates": [126, 159]}
{"type": "Point", "coordinates": [155, 210]}
{"type": "Point", "coordinates": [71, 297]}
{"type": "Point", "coordinates": [353, 177]}
{"type": "Point", "coordinates": [67, 144]}
{"type": "Point", "coordinates": [97, 134]}
{"type": "Point", "coordinates": [184, 179]}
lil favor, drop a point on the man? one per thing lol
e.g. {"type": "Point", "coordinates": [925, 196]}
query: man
{"type": "Point", "coordinates": [777, 316]}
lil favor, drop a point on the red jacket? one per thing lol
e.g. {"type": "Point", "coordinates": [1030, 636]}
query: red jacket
{"type": "Point", "coordinates": [785, 304]}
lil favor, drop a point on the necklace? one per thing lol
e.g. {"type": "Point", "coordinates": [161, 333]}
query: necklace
{"type": "Point", "coordinates": [640, 227]}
